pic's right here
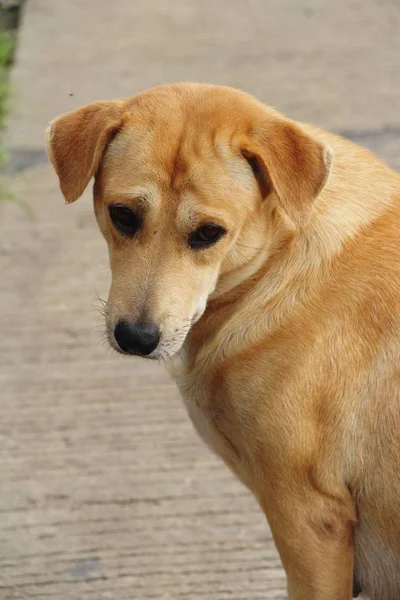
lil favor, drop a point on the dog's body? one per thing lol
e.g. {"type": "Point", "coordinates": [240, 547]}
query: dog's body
{"type": "Point", "coordinates": [287, 351]}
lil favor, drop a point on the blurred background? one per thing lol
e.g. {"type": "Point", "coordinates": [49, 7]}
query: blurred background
{"type": "Point", "coordinates": [105, 490]}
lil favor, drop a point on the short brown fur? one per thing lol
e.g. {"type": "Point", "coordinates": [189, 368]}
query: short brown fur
{"type": "Point", "coordinates": [284, 335]}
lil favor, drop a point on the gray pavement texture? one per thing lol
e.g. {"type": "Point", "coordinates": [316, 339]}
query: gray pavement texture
{"type": "Point", "coordinates": [105, 490]}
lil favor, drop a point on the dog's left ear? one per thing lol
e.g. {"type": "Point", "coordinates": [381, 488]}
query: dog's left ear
{"type": "Point", "coordinates": [292, 162]}
{"type": "Point", "coordinates": [76, 141]}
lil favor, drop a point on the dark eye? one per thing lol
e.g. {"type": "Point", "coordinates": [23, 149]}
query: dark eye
{"type": "Point", "coordinates": [124, 219]}
{"type": "Point", "coordinates": [206, 235]}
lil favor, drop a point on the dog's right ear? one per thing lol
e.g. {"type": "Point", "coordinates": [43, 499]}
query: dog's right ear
{"type": "Point", "coordinates": [75, 143]}
{"type": "Point", "coordinates": [289, 160]}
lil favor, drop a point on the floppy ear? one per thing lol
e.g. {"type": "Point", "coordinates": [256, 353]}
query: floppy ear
{"type": "Point", "coordinates": [75, 143]}
{"type": "Point", "coordinates": [293, 163]}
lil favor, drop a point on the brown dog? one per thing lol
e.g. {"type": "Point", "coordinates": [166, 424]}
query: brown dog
{"type": "Point", "coordinates": [261, 259]}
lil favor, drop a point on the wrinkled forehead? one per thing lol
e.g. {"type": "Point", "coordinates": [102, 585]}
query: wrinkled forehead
{"type": "Point", "coordinates": [176, 159]}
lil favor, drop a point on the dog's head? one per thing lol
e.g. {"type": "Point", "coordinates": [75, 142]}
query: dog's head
{"type": "Point", "coordinates": [189, 180]}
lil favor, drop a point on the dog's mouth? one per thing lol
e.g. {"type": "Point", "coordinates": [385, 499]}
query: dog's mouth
{"type": "Point", "coordinates": [149, 339]}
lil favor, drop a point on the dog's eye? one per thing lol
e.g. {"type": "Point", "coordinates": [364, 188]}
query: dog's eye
{"type": "Point", "coordinates": [206, 235]}
{"type": "Point", "coordinates": [124, 219]}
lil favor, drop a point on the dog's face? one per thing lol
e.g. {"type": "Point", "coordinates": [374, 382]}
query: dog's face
{"type": "Point", "coordinates": [178, 210]}
{"type": "Point", "coordinates": [187, 179]}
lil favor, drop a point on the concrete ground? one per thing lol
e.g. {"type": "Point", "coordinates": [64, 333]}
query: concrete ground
{"type": "Point", "coordinates": [106, 492]}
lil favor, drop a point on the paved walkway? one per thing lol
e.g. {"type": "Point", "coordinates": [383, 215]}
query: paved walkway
{"type": "Point", "coordinates": [105, 490]}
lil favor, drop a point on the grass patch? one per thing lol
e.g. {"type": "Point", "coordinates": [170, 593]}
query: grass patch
{"type": "Point", "coordinates": [7, 47]}
{"type": "Point", "coordinates": [6, 51]}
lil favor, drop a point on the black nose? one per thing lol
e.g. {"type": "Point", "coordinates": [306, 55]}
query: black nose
{"type": "Point", "coordinates": [137, 338]}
